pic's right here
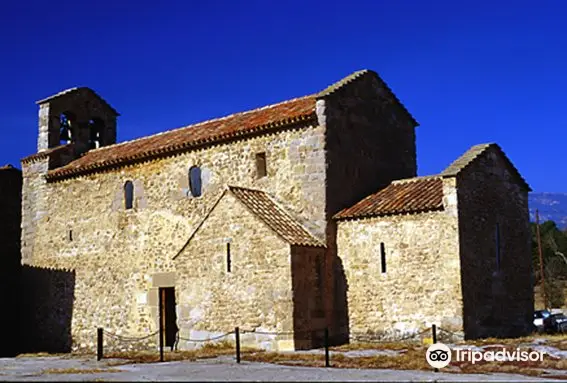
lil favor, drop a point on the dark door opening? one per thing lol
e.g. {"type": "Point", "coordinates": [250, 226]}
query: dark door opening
{"type": "Point", "coordinates": [168, 315]}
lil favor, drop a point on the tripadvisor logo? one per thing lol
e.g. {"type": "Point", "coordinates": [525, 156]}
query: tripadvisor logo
{"type": "Point", "coordinates": [438, 355]}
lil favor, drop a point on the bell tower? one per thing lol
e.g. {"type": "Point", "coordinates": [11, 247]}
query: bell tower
{"type": "Point", "coordinates": [76, 116]}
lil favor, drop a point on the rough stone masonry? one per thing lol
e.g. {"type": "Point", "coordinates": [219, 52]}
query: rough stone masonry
{"type": "Point", "coordinates": [282, 220]}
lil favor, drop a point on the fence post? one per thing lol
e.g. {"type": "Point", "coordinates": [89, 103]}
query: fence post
{"type": "Point", "coordinates": [99, 338]}
{"type": "Point", "coordinates": [237, 339]}
{"type": "Point", "coordinates": [327, 362]}
{"type": "Point", "coordinates": [160, 299]}
{"type": "Point", "coordinates": [434, 336]}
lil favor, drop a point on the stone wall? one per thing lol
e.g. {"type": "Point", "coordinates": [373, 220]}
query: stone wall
{"type": "Point", "coordinates": [370, 141]}
{"type": "Point", "coordinates": [10, 218]}
{"type": "Point", "coordinates": [34, 204]}
{"type": "Point", "coordinates": [260, 292]}
{"type": "Point", "coordinates": [81, 224]}
{"type": "Point", "coordinates": [421, 284]}
{"type": "Point", "coordinates": [498, 301]}
{"type": "Point", "coordinates": [47, 296]}
{"type": "Point", "coordinates": [307, 268]}
{"type": "Point", "coordinates": [84, 106]}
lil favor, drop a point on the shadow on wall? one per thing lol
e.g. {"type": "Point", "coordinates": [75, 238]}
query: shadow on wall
{"type": "Point", "coordinates": [310, 294]}
{"type": "Point", "coordinates": [342, 334]}
{"type": "Point", "coordinates": [46, 309]}
{"type": "Point", "coordinates": [9, 318]}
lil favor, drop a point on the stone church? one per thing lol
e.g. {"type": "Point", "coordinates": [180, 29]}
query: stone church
{"type": "Point", "coordinates": [287, 219]}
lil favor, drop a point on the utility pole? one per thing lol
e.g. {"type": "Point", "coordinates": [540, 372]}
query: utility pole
{"type": "Point", "coordinates": [540, 259]}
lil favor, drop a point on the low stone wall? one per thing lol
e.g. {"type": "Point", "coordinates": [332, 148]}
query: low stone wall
{"type": "Point", "coordinates": [47, 297]}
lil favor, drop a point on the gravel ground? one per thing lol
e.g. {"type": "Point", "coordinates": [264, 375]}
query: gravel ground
{"type": "Point", "coordinates": [219, 369]}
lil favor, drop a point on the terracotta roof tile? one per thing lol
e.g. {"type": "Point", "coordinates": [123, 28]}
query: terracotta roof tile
{"type": "Point", "coordinates": [473, 153]}
{"type": "Point", "coordinates": [205, 133]}
{"type": "Point", "coordinates": [45, 153]}
{"type": "Point", "coordinates": [275, 217]}
{"type": "Point", "coordinates": [236, 125]}
{"type": "Point", "coordinates": [413, 195]}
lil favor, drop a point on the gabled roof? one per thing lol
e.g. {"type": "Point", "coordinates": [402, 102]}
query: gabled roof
{"type": "Point", "coordinates": [412, 195]}
{"type": "Point", "coordinates": [298, 111]}
{"type": "Point", "coordinates": [278, 219]}
{"type": "Point", "coordinates": [362, 74]}
{"type": "Point", "coordinates": [70, 91]}
{"type": "Point", "coordinates": [204, 133]}
{"type": "Point", "coordinates": [275, 217]}
{"type": "Point", "coordinates": [473, 153]}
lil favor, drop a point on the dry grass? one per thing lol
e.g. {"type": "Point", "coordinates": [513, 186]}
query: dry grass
{"type": "Point", "coordinates": [411, 357]}
{"type": "Point", "coordinates": [208, 350]}
{"type": "Point", "coordinates": [43, 355]}
{"type": "Point", "coordinates": [395, 346]}
{"type": "Point", "coordinates": [77, 371]}
{"type": "Point", "coordinates": [558, 341]}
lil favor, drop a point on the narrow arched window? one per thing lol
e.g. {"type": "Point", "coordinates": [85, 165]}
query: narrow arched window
{"type": "Point", "coordinates": [195, 181]}
{"type": "Point", "coordinates": [95, 133]}
{"type": "Point", "coordinates": [66, 126]}
{"type": "Point", "coordinates": [128, 194]}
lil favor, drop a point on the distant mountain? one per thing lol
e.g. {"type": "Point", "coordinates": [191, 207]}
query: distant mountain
{"type": "Point", "coordinates": [551, 206]}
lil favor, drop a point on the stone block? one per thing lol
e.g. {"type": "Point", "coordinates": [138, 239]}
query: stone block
{"type": "Point", "coordinates": [163, 279]}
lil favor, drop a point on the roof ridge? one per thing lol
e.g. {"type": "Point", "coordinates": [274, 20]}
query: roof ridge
{"type": "Point", "coordinates": [230, 187]}
{"type": "Point", "coordinates": [459, 163]}
{"type": "Point", "coordinates": [197, 124]}
{"type": "Point", "coordinates": [471, 154]}
{"type": "Point", "coordinates": [344, 81]}
{"type": "Point", "coordinates": [416, 179]}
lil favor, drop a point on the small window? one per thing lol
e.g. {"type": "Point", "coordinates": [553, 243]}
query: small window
{"type": "Point", "coordinates": [383, 256]}
{"type": "Point", "coordinates": [195, 181]}
{"type": "Point", "coordinates": [261, 170]}
{"type": "Point", "coordinates": [228, 260]}
{"type": "Point", "coordinates": [70, 235]}
{"type": "Point", "coordinates": [128, 194]}
{"type": "Point", "coordinates": [497, 240]}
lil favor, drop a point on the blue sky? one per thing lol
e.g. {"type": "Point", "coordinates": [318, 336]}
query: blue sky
{"type": "Point", "coordinates": [470, 72]}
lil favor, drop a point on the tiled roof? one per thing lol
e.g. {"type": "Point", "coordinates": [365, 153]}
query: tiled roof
{"type": "Point", "coordinates": [275, 217]}
{"type": "Point", "coordinates": [474, 152]}
{"type": "Point", "coordinates": [271, 213]}
{"type": "Point", "coordinates": [236, 125]}
{"type": "Point", "coordinates": [299, 110]}
{"type": "Point", "coordinates": [74, 90]}
{"type": "Point", "coordinates": [45, 153]}
{"type": "Point", "coordinates": [413, 195]}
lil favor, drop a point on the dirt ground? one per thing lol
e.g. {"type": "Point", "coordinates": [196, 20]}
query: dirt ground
{"type": "Point", "coordinates": [67, 368]}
